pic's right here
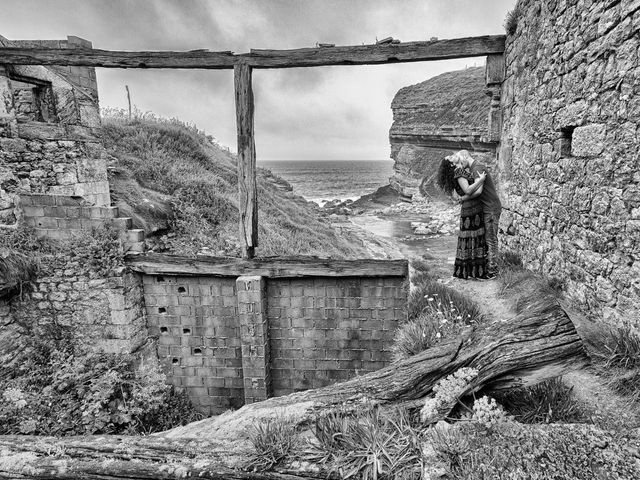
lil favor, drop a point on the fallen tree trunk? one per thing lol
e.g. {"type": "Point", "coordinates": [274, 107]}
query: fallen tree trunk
{"type": "Point", "coordinates": [539, 343]}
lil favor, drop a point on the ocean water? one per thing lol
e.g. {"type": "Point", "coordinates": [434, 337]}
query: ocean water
{"type": "Point", "coordinates": [323, 180]}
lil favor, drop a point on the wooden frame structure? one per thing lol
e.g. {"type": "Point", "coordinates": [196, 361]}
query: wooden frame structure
{"type": "Point", "coordinates": [242, 64]}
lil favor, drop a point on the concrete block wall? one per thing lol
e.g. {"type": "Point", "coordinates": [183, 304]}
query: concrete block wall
{"type": "Point", "coordinates": [230, 341]}
{"type": "Point", "coordinates": [199, 340]}
{"type": "Point", "coordinates": [324, 330]}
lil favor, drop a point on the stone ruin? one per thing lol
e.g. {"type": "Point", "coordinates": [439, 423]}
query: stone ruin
{"type": "Point", "coordinates": [563, 137]}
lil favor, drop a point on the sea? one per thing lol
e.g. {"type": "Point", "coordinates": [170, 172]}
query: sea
{"type": "Point", "coordinates": [324, 180]}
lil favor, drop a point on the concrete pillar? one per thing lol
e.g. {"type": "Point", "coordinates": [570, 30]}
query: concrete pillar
{"type": "Point", "coordinates": [254, 335]}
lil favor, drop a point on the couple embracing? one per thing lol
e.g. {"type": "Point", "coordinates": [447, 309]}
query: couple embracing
{"type": "Point", "coordinates": [477, 250]}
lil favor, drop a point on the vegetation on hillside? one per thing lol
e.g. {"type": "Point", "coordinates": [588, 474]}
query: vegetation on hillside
{"type": "Point", "coordinates": [181, 187]}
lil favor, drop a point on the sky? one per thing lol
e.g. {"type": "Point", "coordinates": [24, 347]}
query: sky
{"type": "Point", "coordinates": [320, 113]}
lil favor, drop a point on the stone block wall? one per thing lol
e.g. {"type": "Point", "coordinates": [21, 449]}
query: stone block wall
{"type": "Point", "coordinates": [235, 340]}
{"type": "Point", "coordinates": [569, 149]}
{"type": "Point", "coordinates": [83, 285]}
{"type": "Point", "coordinates": [49, 132]}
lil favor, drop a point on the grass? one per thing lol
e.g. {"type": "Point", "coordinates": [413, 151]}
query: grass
{"type": "Point", "coordinates": [181, 187]}
{"type": "Point", "coordinates": [367, 444]}
{"type": "Point", "coordinates": [435, 312]}
{"type": "Point", "coordinates": [20, 259]}
{"type": "Point", "coordinates": [273, 441]}
{"type": "Point", "coordinates": [615, 351]}
{"type": "Point", "coordinates": [550, 401]}
{"type": "Point", "coordinates": [511, 20]}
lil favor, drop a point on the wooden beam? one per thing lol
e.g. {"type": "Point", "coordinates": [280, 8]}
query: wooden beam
{"type": "Point", "coordinates": [80, 57]}
{"type": "Point", "coordinates": [247, 187]}
{"type": "Point", "coordinates": [471, 142]}
{"type": "Point", "coordinates": [377, 54]}
{"type": "Point", "coordinates": [494, 70]}
{"type": "Point", "coordinates": [273, 267]}
{"type": "Point", "coordinates": [303, 57]}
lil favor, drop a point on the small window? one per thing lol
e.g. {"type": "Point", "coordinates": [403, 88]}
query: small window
{"type": "Point", "coordinates": [33, 99]}
{"type": "Point", "coordinates": [565, 141]}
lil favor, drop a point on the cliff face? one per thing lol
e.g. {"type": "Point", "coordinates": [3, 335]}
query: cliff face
{"type": "Point", "coordinates": [433, 119]}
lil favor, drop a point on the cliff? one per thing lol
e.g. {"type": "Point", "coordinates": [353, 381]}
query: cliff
{"type": "Point", "coordinates": [433, 119]}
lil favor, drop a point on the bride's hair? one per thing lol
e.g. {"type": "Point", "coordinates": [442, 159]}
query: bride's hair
{"type": "Point", "coordinates": [446, 180]}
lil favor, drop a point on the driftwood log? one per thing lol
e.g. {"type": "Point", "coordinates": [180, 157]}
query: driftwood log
{"type": "Point", "coordinates": [541, 342]}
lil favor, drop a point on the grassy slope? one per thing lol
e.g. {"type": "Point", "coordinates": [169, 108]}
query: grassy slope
{"type": "Point", "coordinates": [181, 188]}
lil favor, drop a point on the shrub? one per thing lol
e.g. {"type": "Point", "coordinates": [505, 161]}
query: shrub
{"type": "Point", "coordinates": [367, 444]}
{"type": "Point", "coordinates": [514, 451]}
{"type": "Point", "coordinates": [59, 389]}
{"type": "Point", "coordinates": [273, 440]}
{"type": "Point", "coordinates": [436, 312]}
{"type": "Point", "coordinates": [546, 402]}
{"type": "Point", "coordinates": [421, 271]}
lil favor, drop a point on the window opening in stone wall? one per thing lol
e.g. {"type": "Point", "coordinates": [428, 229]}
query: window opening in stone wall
{"type": "Point", "coordinates": [33, 100]}
{"type": "Point", "coordinates": [565, 140]}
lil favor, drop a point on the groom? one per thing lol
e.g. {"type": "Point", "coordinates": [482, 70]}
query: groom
{"type": "Point", "coordinates": [490, 204]}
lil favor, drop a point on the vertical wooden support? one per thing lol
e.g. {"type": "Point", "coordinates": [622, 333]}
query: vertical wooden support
{"type": "Point", "coordinates": [494, 76]}
{"type": "Point", "coordinates": [247, 189]}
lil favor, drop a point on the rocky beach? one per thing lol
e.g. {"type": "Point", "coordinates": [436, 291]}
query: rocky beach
{"type": "Point", "coordinates": [392, 227]}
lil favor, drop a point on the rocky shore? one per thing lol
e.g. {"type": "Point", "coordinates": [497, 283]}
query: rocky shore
{"type": "Point", "coordinates": [392, 227]}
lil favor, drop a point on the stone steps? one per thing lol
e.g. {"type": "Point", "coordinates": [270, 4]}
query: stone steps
{"type": "Point", "coordinates": [60, 217]}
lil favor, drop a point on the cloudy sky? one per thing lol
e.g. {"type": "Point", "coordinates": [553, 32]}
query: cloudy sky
{"type": "Point", "coordinates": [302, 113]}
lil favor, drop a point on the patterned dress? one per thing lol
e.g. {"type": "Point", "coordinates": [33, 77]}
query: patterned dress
{"type": "Point", "coordinates": [471, 254]}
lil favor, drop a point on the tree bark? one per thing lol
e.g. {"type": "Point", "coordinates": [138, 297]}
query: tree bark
{"type": "Point", "coordinates": [539, 343]}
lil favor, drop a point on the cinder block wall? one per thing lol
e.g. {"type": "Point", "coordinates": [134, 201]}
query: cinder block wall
{"type": "Point", "coordinates": [324, 330]}
{"type": "Point", "coordinates": [234, 340]}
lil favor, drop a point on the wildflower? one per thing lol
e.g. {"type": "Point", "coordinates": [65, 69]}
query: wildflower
{"type": "Point", "coordinates": [430, 299]}
{"type": "Point", "coordinates": [459, 317]}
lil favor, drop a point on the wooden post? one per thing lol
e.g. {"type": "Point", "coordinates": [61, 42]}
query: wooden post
{"type": "Point", "coordinates": [128, 100]}
{"type": "Point", "coordinates": [247, 190]}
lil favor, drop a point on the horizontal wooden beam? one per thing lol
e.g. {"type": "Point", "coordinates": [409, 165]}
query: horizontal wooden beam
{"type": "Point", "coordinates": [79, 57]}
{"type": "Point", "coordinates": [303, 57]}
{"type": "Point", "coordinates": [378, 54]}
{"type": "Point", "coordinates": [274, 267]}
{"type": "Point", "coordinates": [471, 142]}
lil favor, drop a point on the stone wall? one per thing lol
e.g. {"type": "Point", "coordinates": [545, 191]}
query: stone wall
{"type": "Point", "coordinates": [235, 340]}
{"type": "Point", "coordinates": [49, 132]}
{"type": "Point", "coordinates": [569, 149]}
{"type": "Point", "coordinates": [81, 280]}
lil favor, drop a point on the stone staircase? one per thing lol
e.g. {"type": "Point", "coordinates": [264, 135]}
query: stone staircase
{"type": "Point", "coordinates": [60, 217]}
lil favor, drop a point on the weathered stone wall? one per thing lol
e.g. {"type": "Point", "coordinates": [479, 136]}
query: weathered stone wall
{"type": "Point", "coordinates": [49, 142]}
{"type": "Point", "coordinates": [569, 148]}
{"type": "Point", "coordinates": [234, 340]}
